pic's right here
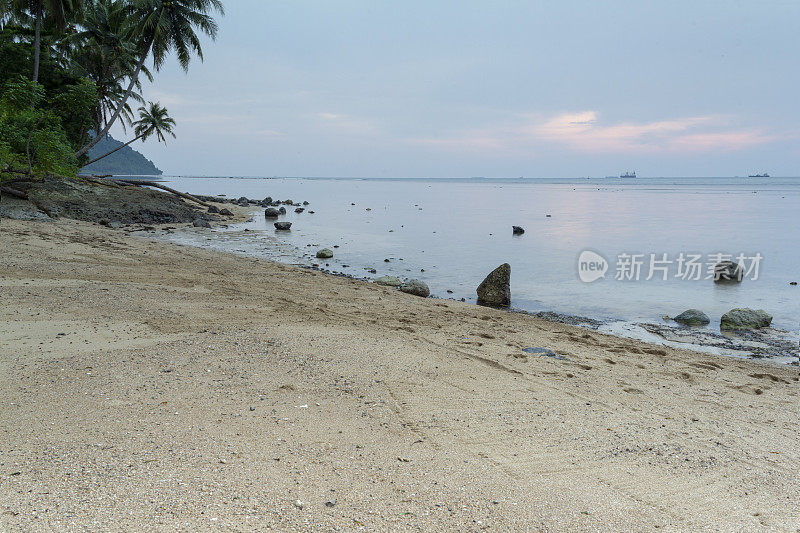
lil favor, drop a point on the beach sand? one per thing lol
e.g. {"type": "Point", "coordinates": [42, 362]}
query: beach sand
{"type": "Point", "coordinates": [148, 386]}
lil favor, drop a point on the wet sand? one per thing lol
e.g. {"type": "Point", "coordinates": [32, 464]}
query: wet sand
{"type": "Point", "coordinates": [151, 386]}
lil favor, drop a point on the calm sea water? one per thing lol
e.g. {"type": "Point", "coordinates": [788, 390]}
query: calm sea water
{"type": "Point", "coordinates": [458, 230]}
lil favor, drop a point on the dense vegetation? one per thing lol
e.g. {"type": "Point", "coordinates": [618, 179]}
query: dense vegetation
{"type": "Point", "coordinates": [71, 69]}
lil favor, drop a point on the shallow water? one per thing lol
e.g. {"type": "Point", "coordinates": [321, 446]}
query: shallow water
{"type": "Point", "coordinates": [459, 230]}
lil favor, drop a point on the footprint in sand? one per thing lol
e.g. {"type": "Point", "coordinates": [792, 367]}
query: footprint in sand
{"type": "Point", "coordinates": [774, 379]}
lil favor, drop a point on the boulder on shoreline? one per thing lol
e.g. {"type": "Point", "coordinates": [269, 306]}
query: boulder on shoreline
{"type": "Point", "coordinates": [495, 290]}
{"type": "Point", "coordinates": [271, 212]}
{"type": "Point", "coordinates": [324, 253]}
{"type": "Point", "coordinates": [692, 317]}
{"type": "Point", "coordinates": [299, 210]}
{"type": "Point", "coordinates": [415, 287]}
{"type": "Point", "coordinates": [226, 212]}
{"type": "Point", "coordinates": [200, 223]}
{"type": "Point", "coordinates": [744, 318]}
{"type": "Point", "coordinates": [388, 281]}
{"type": "Point", "coordinates": [282, 210]}
{"type": "Point", "coordinates": [283, 226]}
{"type": "Point", "coordinates": [727, 272]}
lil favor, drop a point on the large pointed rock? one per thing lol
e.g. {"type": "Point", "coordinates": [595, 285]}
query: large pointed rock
{"type": "Point", "coordinates": [496, 288]}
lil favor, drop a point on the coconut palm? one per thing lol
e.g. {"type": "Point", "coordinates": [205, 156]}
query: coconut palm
{"type": "Point", "coordinates": [57, 12]}
{"type": "Point", "coordinates": [104, 50]}
{"type": "Point", "coordinates": [166, 26]}
{"type": "Point", "coordinates": [153, 120]}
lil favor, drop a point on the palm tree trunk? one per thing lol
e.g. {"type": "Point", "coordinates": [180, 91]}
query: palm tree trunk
{"type": "Point", "coordinates": [118, 148]}
{"type": "Point", "coordinates": [121, 104]}
{"type": "Point", "coordinates": [37, 40]}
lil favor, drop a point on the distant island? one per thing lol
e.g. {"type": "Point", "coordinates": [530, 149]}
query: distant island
{"type": "Point", "coordinates": [126, 161]}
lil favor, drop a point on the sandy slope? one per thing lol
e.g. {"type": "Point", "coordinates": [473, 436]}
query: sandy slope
{"type": "Point", "coordinates": [195, 390]}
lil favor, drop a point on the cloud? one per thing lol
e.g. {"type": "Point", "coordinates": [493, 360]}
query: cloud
{"type": "Point", "coordinates": [583, 132]}
{"type": "Point", "coordinates": [345, 124]}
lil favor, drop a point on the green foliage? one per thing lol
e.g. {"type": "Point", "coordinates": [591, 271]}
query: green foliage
{"type": "Point", "coordinates": [88, 57]}
{"type": "Point", "coordinates": [34, 129]}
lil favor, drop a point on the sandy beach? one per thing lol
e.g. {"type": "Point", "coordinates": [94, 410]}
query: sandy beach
{"type": "Point", "coordinates": [149, 386]}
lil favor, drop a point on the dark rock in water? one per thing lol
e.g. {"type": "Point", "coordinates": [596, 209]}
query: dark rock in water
{"type": "Point", "coordinates": [287, 202]}
{"type": "Point", "coordinates": [727, 272]}
{"type": "Point", "coordinates": [311, 212]}
{"type": "Point", "coordinates": [267, 200]}
{"type": "Point", "coordinates": [305, 203]}
{"type": "Point", "coordinates": [200, 223]}
{"type": "Point", "coordinates": [792, 283]}
{"type": "Point", "coordinates": [325, 253]}
{"type": "Point", "coordinates": [416, 287]}
{"type": "Point", "coordinates": [271, 212]}
{"type": "Point", "coordinates": [283, 226]}
{"type": "Point", "coordinates": [517, 230]}
{"type": "Point", "coordinates": [743, 318]}
{"type": "Point", "coordinates": [282, 210]}
{"type": "Point", "coordinates": [243, 201]}
{"type": "Point", "coordinates": [692, 317]}
{"type": "Point", "coordinates": [225, 211]}
{"type": "Point", "coordinates": [213, 209]}
{"type": "Point", "coordinates": [496, 288]}
{"type": "Point", "coordinates": [299, 210]}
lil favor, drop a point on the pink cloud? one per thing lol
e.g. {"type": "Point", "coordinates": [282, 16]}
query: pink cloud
{"type": "Point", "coordinates": [583, 132]}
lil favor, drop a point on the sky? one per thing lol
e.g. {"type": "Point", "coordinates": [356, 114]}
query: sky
{"type": "Point", "coordinates": [494, 88]}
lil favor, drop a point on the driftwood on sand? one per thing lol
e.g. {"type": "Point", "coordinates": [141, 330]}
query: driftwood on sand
{"type": "Point", "coordinates": [164, 188]}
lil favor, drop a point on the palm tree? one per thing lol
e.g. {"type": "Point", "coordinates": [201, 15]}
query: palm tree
{"type": "Point", "coordinates": [153, 120]}
{"type": "Point", "coordinates": [104, 50]}
{"type": "Point", "coordinates": [58, 12]}
{"type": "Point", "coordinates": [167, 26]}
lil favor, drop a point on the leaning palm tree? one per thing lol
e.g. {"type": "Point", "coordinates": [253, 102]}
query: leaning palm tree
{"type": "Point", "coordinates": [165, 26]}
{"type": "Point", "coordinates": [153, 120]}
{"type": "Point", "coordinates": [104, 50]}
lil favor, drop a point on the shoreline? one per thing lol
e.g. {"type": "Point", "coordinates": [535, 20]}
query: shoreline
{"type": "Point", "coordinates": [775, 345]}
{"type": "Point", "coordinates": [201, 389]}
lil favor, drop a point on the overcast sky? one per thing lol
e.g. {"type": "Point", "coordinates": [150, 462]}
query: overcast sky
{"type": "Point", "coordinates": [490, 88]}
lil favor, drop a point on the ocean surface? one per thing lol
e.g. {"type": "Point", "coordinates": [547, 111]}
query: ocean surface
{"type": "Point", "coordinates": [451, 233]}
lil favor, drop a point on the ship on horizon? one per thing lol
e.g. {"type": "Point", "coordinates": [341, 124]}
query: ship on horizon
{"type": "Point", "coordinates": [628, 175]}
{"type": "Point", "coordinates": [762, 175]}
